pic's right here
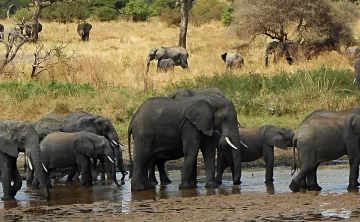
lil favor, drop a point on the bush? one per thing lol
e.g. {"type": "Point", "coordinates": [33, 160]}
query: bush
{"type": "Point", "coordinates": [160, 6]}
{"type": "Point", "coordinates": [171, 16]}
{"type": "Point", "coordinates": [104, 14]}
{"type": "Point", "coordinates": [66, 12]}
{"type": "Point", "coordinates": [138, 11]}
{"type": "Point", "coordinates": [228, 16]}
{"type": "Point", "coordinates": [23, 13]}
{"type": "Point", "coordinates": [206, 10]}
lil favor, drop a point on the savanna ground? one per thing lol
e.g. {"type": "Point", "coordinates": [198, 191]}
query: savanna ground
{"type": "Point", "coordinates": [107, 78]}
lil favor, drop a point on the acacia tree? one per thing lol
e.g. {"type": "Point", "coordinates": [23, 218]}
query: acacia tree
{"type": "Point", "coordinates": [305, 19]}
{"type": "Point", "coordinates": [185, 6]}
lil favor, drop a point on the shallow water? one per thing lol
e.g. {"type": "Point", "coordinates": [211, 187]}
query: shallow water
{"type": "Point", "coordinates": [333, 179]}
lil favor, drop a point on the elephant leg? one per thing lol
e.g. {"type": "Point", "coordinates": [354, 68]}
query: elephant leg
{"type": "Point", "coordinates": [162, 172]}
{"type": "Point", "coordinates": [269, 163]}
{"type": "Point", "coordinates": [85, 168]}
{"type": "Point", "coordinates": [73, 170]}
{"type": "Point", "coordinates": [208, 151]}
{"type": "Point", "coordinates": [16, 179]}
{"type": "Point", "coordinates": [152, 176]}
{"type": "Point", "coordinates": [142, 151]}
{"type": "Point", "coordinates": [223, 164]}
{"type": "Point", "coordinates": [6, 176]}
{"type": "Point", "coordinates": [354, 173]}
{"type": "Point", "coordinates": [312, 184]}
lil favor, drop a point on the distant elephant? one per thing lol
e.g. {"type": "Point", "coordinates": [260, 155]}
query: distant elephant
{"type": "Point", "coordinates": [165, 65]}
{"type": "Point", "coordinates": [321, 139]}
{"type": "Point", "coordinates": [63, 150]}
{"type": "Point", "coordinates": [178, 54]}
{"type": "Point", "coordinates": [2, 31]}
{"type": "Point", "coordinates": [352, 52]}
{"type": "Point", "coordinates": [232, 60]}
{"type": "Point", "coordinates": [281, 49]}
{"type": "Point", "coordinates": [15, 137]}
{"type": "Point", "coordinates": [167, 128]}
{"type": "Point", "coordinates": [261, 142]}
{"type": "Point", "coordinates": [83, 29]}
{"type": "Point", "coordinates": [357, 71]}
{"type": "Point", "coordinates": [184, 93]}
{"type": "Point", "coordinates": [28, 29]}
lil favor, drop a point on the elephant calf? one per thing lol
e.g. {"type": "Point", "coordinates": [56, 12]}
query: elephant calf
{"type": "Point", "coordinates": [62, 150]}
{"type": "Point", "coordinates": [83, 30]}
{"type": "Point", "coordinates": [232, 60]}
{"type": "Point", "coordinates": [165, 65]}
{"type": "Point", "coordinates": [261, 142]}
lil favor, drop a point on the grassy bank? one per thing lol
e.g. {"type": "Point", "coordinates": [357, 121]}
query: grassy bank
{"type": "Point", "coordinates": [290, 95]}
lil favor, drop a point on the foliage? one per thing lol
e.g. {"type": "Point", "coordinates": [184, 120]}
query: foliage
{"type": "Point", "coordinates": [23, 13]}
{"type": "Point", "coordinates": [206, 10]}
{"type": "Point", "coordinates": [160, 6]}
{"type": "Point", "coordinates": [171, 16]}
{"type": "Point", "coordinates": [138, 11]}
{"type": "Point", "coordinates": [227, 18]}
{"type": "Point", "coordinates": [66, 12]}
{"type": "Point", "coordinates": [104, 14]}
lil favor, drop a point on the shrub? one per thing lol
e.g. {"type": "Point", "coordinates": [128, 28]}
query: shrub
{"type": "Point", "coordinates": [66, 12]}
{"type": "Point", "coordinates": [138, 11]}
{"type": "Point", "coordinates": [171, 16]}
{"type": "Point", "coordinates": [23, 13]}
{"type": "Point", "coordinates": [160, 6]}
{"type": "Point", "coordinates": [104, 14]}
{"type": "Point", "coordinates": [228, 16]}
{"type": "Point", "coordinates": [206, 10]}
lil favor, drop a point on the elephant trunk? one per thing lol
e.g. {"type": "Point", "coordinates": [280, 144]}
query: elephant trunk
{"type": "Point", "coordinates": [235, 139]}
{"type": "Point", "coordinates": [119, 161]}
{"type": "Point", "coordinates": [38, 165]}
{"type": "Point", "coordinates": [111, 168]}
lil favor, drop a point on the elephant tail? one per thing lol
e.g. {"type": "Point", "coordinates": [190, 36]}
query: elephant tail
{"type": "Point", "coordinates": [293, 167]}
{"type": "Point", "coordinates": [129, 147]}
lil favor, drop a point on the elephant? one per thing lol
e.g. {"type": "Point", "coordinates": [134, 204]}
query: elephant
{"type": "Point", "coordinates": [357, 71]}
{"type": "Point", "coordinates": [28, 29]}
{"type": "Point", "coordinates": [62, 150]}
{"type": "Point", "coordinates": [352, 52]}
{"type": "Point", "coordinates": [326, 138]}
{"type": "Point", "coordinates": [280, 49]}
{"type": "Point", "coordinates": [83, 29]}
{"type": "Point", "coordinates": [15, 137]}
{"type": "Point", "coordinates": [261, 142]}
{"type": "Point", "coordinates": [184, 93]}
{"type": "Point", "coordinates": [232, 60]}
{"type": "Point", "coordinates": [330, 113]}
{"type": "Point", "coordinates": [82, 121]}
{"type": "Point", "coordinates": [178, 54]}
{"type": "Point", "coordinates": [166, 128]}
{"type": "Point", "coordinates": [165, 65]}
{"type": "Point", "coordinates": [2, 31]}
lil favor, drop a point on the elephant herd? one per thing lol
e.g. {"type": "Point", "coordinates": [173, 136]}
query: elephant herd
{"type": "Point", "coordinates": [171, 127]}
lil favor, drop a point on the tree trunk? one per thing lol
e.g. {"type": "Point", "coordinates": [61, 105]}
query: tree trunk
{"type": "Point", "coordinates": [185, 8]}
{"type": "Point", "coordinates": [35, 33]}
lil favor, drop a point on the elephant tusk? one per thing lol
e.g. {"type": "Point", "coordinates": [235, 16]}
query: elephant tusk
{"type": "Point", "coordinates": [229, 142]}
{"type": "Point", "coordinates": [354, 81]}
{"type": "Point", "coordinates": [115, 143]}
{"type": "Point", "coordinates": [242, 143]}
{"type": "Point", "coordinates": [45, 168]}
{"type": "Point", "coordinates": [110, 159]}
{"type": "Point", "coordinates": [29, 161]}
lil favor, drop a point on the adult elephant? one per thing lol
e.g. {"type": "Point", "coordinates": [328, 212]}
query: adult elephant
{"type": "Point", "coordinates": [63, 150]}
{"type": "Point", "coordinates": [326, 138]}
{"type": "Point", "coordinates": [261, 142]}
{"type": "Point", "coordinates": [281, 49]}
{"type": "Point", "coordinates": [330, 113]}
{"type": "Point", "coordinates": [232, 60]}
{"type": "Point", "coordinates": [28, 29]}
{"type": "Point", "coordinates": [83, 29]}
{"type": "Point", "coordinates": [178, 54]}
{"type": "Point", "coordinates": [164, 127]}
{"type": "Point", "coordinates": [352, 52]}
{"type": "Point", "coordinates": [184, 93]}
{"type": "Point", "coordinates": [357, 71]}
{"type": "Point", "coordinates": [15, 137]}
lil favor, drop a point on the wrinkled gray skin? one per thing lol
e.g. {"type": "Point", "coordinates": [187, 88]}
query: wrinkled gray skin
{"type": "Point", "coordinates": [330, 113]}
{"type": "Point", "coordinates": [1, 31]}
{"type": "Point", "coordinates": [165, 65]}
{"type": "Point", "coordinates": [261, 142]}
{"type": "Point", "coordinates": [352, 52]}
{"type": "Point", "coordinates": [83, 29]}
{"type": "Point", "coordinates": [232, 60]}
{"type": "Point", "coordinates": [357, 71]}
{"type": "Point", "coordinates": [81, 121]}
{"type": "Point", "coordinates": [178, 54]}
{"type": "Point", "coordinates": [321, 139]}
{"type": "Point", "coordinates": [281, 49]}
{"type": "Point", "coordinates": [184, 93]}
{"type": "Point", "coordinates": [163, 127]}
{"type": "Point", "coordinates": [15, 137]}
{"type": "Point", "coordinates": [63, 150]}
{"type": "Point", "coordinates": [28, 29]}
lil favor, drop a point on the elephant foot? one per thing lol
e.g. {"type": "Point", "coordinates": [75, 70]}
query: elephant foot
{"type": "Point", "coordinates": [187, 185]}
{"type": "Point", "coordinates": [212, 184]}
{"type": "Point", "coordinates": [237, 182]}
{"type": "Point", "coordinates": [165, 181]}
{"type": "Point", "coordinates": [154, 182]}
{"type": "Point", "coordinates": [314, 188]}
{"type": "Point", "coordinates": [269, 182]}
{"type": "Point", "coordinates": [352, 188]}
{"type": "Point", "coordinates": [218, 180]}
{"type": "Point", "coordinates": [138, 187]}
{"type": "Point", "coordinates": [34, 187]}
{"type": "Point", "coordinates": [7, 198]}
{"type": "Point", "coordinates": [68, 180]}
{"type": "Point", "coordinates": [357, 183]}
{"type": "Point", "coordinates": [294, 187]}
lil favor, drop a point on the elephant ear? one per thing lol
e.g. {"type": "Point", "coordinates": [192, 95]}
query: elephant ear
{"type": "Point", "coordinates": [223, 56]}
{"type": "Point", "coordinates": [159, 53]}
{"type": "Point", "coordinates": [85, 146]}
{"type": "Point", "coordinates": [7, 144]}
{"type": "Point", "coordinates": [276, 137]}
{"type": "Point", "coordinates": [355, 123]}
{"type": "Point", "coordinates": [200, 113]}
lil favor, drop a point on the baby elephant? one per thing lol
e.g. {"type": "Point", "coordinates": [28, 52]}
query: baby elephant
{"type": "Point", "coordinates": [165, 65]}
{"type": "Point", "coordinates": [63, 150]}
{"type": "Point", "coordinates": [83, 30]}
{"type": "Point", "coordinates": [232, 60]}
{"type": "Point", "coordinates": [261, 142]}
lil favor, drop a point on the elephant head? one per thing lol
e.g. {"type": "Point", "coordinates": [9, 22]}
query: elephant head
{"type": "Point", "coordinates": [83, 30]}
{"type": "Point", "coordinates": [100, 126]}
{"type": "Point", "coordinates": [232, 60]}
{"type": "Point", "coordinates": [278, 136]}
{"type": "Point", "coordinates": [26, 138]}
{"type": "Point", "coordinates": [95, 146]}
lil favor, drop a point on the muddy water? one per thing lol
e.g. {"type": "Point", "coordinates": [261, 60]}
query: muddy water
{"type": "Point", "coordinates": [333, 179]}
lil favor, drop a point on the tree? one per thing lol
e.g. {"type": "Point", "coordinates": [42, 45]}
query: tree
{"type": "Point", "coordinates": [185, 6]}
